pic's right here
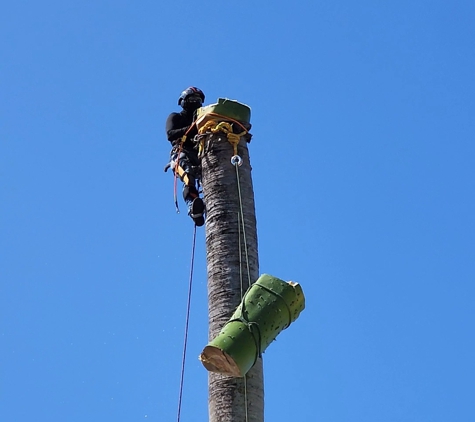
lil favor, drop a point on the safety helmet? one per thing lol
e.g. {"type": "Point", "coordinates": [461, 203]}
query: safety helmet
{"type": "Point", "coordinates": [190, 91]}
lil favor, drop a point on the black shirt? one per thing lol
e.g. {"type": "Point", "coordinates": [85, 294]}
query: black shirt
{"type": "Point", "coordinates": [177, 125]}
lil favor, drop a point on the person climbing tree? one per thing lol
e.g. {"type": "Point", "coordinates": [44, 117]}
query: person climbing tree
{"type": "Point", "coordinates": [184, 160]}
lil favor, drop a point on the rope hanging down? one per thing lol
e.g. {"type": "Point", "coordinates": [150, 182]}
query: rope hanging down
{"type": "Point", "coordinates": [236, 160]}
{"type": "Point", "coordinates": [188, 306]}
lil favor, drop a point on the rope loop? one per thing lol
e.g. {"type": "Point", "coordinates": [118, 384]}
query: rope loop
{"type": "Point", "coordinates": [212, 126]}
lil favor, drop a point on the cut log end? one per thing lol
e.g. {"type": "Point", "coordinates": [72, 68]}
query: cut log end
{"type": "Point", "coordinates": [216, 360]}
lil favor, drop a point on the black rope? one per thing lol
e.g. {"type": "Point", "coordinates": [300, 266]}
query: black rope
{"type": "Point", "coordinates": [241, 317]}
{"type": "Point", "coordinates": [281, 298]}
{"type": "Point", "coordinates": [188, 306]}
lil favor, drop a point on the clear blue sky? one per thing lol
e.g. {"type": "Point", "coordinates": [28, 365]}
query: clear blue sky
{"type": "Point", "coordinates": [363, 164]}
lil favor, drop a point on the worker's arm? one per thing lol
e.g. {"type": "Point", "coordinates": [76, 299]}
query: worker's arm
{"type": "Point", "coordinates": [174, 127]}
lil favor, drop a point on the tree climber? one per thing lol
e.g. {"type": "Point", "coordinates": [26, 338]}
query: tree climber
{"type": "Point", "coordinates": [188, 169]}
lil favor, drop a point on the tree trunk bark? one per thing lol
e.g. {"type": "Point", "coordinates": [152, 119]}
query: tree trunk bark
{"type": "Point", "coordinates": [226, 394]}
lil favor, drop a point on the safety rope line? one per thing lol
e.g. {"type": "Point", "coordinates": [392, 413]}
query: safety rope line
{"type": "Point", "coordinates": [236, 164]}
{"type": "Point", "coordinates": [240, 255]}
{"type": "Point", "coordinates": [242, 294]}
{"type": "Point", "coordinates": [188, 306]}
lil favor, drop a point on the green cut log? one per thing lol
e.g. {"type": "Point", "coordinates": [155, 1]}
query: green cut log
{"type": "Point", "coordinates": [224, 107]}
{"type": "Point", "coordinates": [268, 307]}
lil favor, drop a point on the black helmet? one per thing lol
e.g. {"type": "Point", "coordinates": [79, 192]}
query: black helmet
{"type": "Point", "coordinates": [190, 91]}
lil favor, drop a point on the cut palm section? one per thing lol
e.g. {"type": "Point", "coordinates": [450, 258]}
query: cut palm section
{"type": "Point", "coordinates": [268, 307]}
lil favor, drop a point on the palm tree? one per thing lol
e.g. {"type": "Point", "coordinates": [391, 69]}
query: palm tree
{"type": "Point", "coordinates": [227, 395]}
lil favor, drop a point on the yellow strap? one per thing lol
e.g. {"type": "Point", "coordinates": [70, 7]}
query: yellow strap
{"type": "Point", "coordinates": [183, 175]}
{"type": "Point", "coordinates": [213, 126]}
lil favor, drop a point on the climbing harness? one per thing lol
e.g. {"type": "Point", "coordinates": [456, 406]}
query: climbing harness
{"type": "Point", "coordinates": [211, 126]}
{"type": "Point", "coordinates": [176, 155]}
{"type": "Point", "coordinates": [187, 320]}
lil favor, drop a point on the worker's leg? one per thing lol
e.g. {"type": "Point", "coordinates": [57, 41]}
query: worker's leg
{"type": "Point", "coordinates": [195, 204]}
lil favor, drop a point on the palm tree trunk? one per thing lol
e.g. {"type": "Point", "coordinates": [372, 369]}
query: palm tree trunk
{"type": "Point", "coordinates": [227, 395]}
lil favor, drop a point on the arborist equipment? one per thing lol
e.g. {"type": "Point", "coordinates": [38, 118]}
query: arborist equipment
{"type": "Point", "coordinates": [178, 171]}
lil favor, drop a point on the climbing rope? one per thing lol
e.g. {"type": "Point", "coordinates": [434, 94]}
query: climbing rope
{"type": "Point", "coordinates": [212, 126]}
{"type": "Point", "coordinates": [237, 162]}
{"type": "Point", "coordinates": [240, 254]}
{"type": "Point", "coordinates": [188, 306]}
{"type": "Point", "coordinates": [242, 294]}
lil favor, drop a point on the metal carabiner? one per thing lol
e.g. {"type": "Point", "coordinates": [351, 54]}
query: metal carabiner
{"type": "Point", "coordinates": [236, 159]}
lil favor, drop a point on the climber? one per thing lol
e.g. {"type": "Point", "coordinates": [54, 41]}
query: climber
{"type": "Point", "coordinates": [181, 130]}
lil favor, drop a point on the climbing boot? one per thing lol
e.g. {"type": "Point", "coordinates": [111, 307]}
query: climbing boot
{"type": "Point", "coordinates": [196, 211]}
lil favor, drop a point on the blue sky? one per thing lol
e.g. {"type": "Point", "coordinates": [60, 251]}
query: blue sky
{"type": "Point", "coordinates": [363, 169]}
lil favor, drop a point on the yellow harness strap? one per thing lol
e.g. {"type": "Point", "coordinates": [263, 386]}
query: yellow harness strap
{"type": "Point", "coordinates": [178, 170]}
{"type": "Point", "coordinates": [183, 175]}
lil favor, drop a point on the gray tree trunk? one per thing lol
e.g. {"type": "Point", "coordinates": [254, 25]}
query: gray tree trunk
{"type": "Point", "coordinates": [226, 394]}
